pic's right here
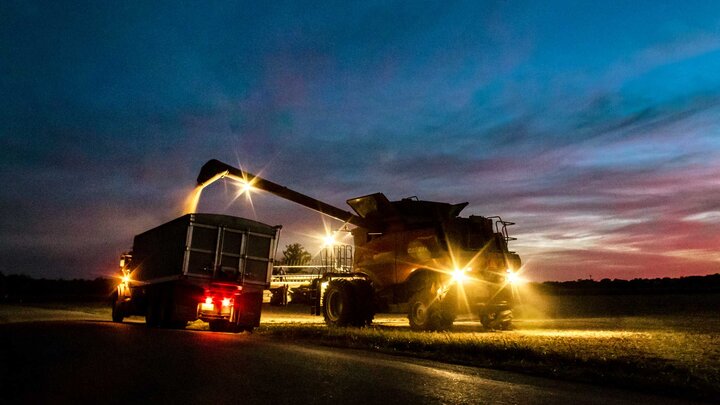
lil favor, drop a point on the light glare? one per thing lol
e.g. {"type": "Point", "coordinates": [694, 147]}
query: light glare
{"type": "Point", "coordinates": [328, 240]}
{"type": "Point", "coordinates": [513, 278]}
{"type": "Point", "coordinates": [459, 276]}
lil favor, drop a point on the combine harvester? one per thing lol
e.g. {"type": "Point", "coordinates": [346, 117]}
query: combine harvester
{"type": "Point", "coordinates": [415, 255]}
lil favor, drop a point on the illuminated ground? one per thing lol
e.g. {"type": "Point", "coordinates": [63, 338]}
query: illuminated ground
{"type": "Point", "coordinates": [668, 354]}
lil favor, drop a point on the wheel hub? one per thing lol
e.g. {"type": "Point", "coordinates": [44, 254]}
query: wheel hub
{"type": "Point", "coordinates": [419, 312]}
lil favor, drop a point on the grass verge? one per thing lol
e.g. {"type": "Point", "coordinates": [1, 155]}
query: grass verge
{"type": "Point", "coordinates": [670, 363]}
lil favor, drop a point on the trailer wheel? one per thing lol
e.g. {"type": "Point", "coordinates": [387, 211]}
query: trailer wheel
{"type": "Point", "coordinates": [219, 326]}
{"type": "Point", "coordinates": [167, 317]}
{"type": "Point", "coordinates": [153, 311]}
{"type": "Point", "coordinates": [339, 303]}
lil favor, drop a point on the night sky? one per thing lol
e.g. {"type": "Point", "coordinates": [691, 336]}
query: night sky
{"type": "Point", "coordinates": [595, 127]}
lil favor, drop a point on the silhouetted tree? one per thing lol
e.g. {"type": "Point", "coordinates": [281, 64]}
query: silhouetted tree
{"type": "Point", "coordinates": [295, 254]}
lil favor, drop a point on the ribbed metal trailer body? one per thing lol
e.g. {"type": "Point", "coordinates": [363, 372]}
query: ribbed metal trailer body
{"type": "Point", "coordinates": [207, 266]}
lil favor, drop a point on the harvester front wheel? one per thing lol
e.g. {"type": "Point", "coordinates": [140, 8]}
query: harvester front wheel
{"type": "Point", "coordinates": [497, 318]}
{"type": "Point", "coordinates": [430, 312]}
{"type": "Point", "coordinates": [419, 314]}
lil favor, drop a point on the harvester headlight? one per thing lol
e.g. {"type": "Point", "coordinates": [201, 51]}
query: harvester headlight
{"type": "Point", "coordinates": [512, 277]}
{"type": "Point", "coordinates": [459, 275]}
{"type": "Point", "coordinates": [329, 240]}
{"type": "Point", "coordinates": [246, 188]}
{"type": "Point", "coordinates": [126, 279]}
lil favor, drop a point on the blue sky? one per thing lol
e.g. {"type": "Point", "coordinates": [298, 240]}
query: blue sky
{"type": "Point", "coordinates": [595, 127]}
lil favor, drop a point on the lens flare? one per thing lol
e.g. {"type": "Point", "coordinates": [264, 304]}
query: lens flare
{"type": "Point", "coordinates": [459, 276]}
{"type": "Point", "coordinates": [329, 240]}
{"type": "Point", "coordinates": [246, 188]}
{"type": "Point", "coordinates": [513, 278]}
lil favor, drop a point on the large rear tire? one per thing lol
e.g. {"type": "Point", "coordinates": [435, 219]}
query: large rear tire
{"type": "Point", "coordinates": [339, 304]}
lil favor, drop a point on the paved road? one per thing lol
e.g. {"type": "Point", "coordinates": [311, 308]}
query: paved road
{"type": "Point", "coordinates": [103, 362]}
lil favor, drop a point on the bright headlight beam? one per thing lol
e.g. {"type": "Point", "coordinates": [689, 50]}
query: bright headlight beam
{"type": "Point", "coordinates": [246, 188]}
{"type": "Point", "coordinates": [329, 240]}
{"type": "Point", "coordinates": [459, 276]}
{"type": "Point", "coordinates": [512, 277]}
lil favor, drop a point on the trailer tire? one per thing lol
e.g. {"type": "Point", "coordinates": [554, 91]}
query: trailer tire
{"type": "Point", "coordinates": [339, 305]}
{"type": "Point", "coordinates": [219, 326]}
{"type": "Point", "coordinates": [153, 311]}
{"type": "Point", "coordinates": [168, 311]}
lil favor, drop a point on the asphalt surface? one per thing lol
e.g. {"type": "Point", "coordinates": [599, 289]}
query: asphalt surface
{"type": "Point", "coordinates": [103, 362]}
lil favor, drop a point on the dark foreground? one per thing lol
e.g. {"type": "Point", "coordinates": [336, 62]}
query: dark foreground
{"type": "Point", "coordinates": [91, 362]}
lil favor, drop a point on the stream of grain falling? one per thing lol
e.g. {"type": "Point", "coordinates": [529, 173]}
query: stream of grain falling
{"type": "Point", "coordinates": [192, 200]}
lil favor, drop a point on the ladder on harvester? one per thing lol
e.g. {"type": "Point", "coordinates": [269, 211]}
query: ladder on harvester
{"type": "Point", "coordinates": [337, 258]}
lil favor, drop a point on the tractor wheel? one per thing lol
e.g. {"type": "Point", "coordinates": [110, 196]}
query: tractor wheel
{"type": "Point", "coordinates": [117, 313]}
{"type": "Point", "coordinates": [339, 304]}
{"type": "Point", "coordinates": [365, 307]}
